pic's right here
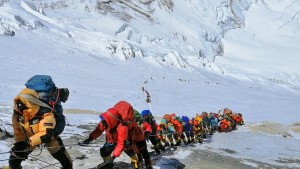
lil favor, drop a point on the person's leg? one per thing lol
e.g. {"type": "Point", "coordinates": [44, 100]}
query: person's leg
{"type": "Point", "coordinates": [105, 153]}
{"type": "Point", "coordinates": [171, 139]}
{"type": "Point", "coordinates": [15, 163]}
{"type": "Point", "coordinates": [142, 147]}
{"type": "Point", "coordinates": [177, 139]}
{"type": "Point", "coordinates": [17, 156]}
{"type": "Point", "coordinates": [58, 151]}
{"type": "Point", "coordinates": [133, 157]}
{"type": "Point", "coordinates": [154, 142]}
{"type": "Point", "coordinates": [184, 137]}
{"type": "Point", "coordinates": [160, 144]}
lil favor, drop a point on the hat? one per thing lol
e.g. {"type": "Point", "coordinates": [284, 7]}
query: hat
{"type": "Point", "coordinates": [145, 112]}
{"type": "Point", "coordinates": [163, 121]}
{"type": "Point", "coordinates": [173, 114]}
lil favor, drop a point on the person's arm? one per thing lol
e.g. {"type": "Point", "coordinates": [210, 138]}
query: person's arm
{"type": "Point", "coordinates": [97, 132]}
{"type": "Point", "coordinates": [122, 138]}
{"type": "Point", "coordinates": [147, 127]}
{"type": "Point", "coordinates": [18, 134]}
{"type": "Point", "coordinates": [94, 134]}
{"type": "Point", "coordinates": [45, 131]}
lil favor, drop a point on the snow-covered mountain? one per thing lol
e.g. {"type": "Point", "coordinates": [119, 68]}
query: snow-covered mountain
{"type": "Point", "coordinates": [190, 55]}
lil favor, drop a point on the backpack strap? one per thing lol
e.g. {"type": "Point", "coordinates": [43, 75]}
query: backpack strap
{"type": "Point", "coordinates": [34, 100]}
{"type": "Point", "coordinates": [52, 103]}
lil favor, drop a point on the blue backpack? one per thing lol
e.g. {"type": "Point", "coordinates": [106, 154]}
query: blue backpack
{"type": "Point", "coordinates": [185, 119]}
{"type": "Point", "coordinates": [51, 95]}
{"type": "Point", "coordinates": [187, 126]}
{"type": "Point", "coordinates": [40, 83]}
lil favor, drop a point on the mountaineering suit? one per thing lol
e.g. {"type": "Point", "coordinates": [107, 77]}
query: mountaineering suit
{"type": "Point", "coordinates": [166, 133]}
{"type": "Point", "coordinates": [177, 126]}
{"type": "Point", "coordinates": [188, 129]}
{"type": "Point", "coordinates": [198, 129]}
{"type": "Point", "coordinates": [224, 125]}
{"type": "Point", "coordinates": [33, 123]}
{"type": "Point", "coordinates": [150, 128]}
{"type": "Point", "coordinates": [120, 136]}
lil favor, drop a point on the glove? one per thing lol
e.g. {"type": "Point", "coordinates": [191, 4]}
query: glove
{"type": "Point", "coordinates": [86, 141]}
{"type": "Point", "coordinates": [20, 149]}
{"type": "Point", "coordinates": [22, 145]}
{"type": "Point", "coordinates": [147, 135]}
{"type": "Point", "coordinates": [111, 160]}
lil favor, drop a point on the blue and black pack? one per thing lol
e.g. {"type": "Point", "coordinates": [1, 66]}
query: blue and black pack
{"type": "Point", "coordinates": [40, 83]}
{"type": "Point", "coordinates": [49, 93]}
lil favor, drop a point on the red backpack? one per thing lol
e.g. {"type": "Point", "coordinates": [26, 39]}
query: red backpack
{"type": "Point", "coordinates": [126, 111]}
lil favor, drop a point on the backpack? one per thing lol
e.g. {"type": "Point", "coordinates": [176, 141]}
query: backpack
{"type": "Point", "coordinates": [126, 111]}
{"type": "Point", "coordinates": [137, 117]}
{"type": "Point", "coordinates": [185, 119]}
{"type": "Point", "coordinates": [51, 95]}
{"type": "Point", "coordinates": [40, 83]}
{"type": "Point", "coordinates": [187, 126]}
{"type": "Point", "coordinates": [179, 119]}
{"type": "Point", "coordinates": [168, 117]}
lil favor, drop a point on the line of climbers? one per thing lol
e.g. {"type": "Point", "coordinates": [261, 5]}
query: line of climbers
{"type": "Point", "coordinates": [38, 119]}
{"type": "Point", "coordinates": [173, 130]}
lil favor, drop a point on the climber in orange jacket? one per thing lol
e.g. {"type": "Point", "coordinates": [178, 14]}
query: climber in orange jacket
{"type": "Point", "coordinates": [238, 118]}
{"type": "Point", "coordinates": [33, 123]}
{"type": "Point", "coordinates": [177, 126]}
{"type": "Point", "coordinates": [224, 125]}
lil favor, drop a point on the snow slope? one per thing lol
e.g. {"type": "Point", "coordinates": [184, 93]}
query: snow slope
{"type": "Point", "coordinates": [190, 55]}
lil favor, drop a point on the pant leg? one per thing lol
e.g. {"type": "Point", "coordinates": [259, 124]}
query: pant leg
{"type": "Point", "coordinates": [14, 162]}
{"type": "Point", "coordinates": [142, 147]}
{"type": "Point", "coordinates": [59, 152]}
{"type": "Point", "coordinates": [133, 157]}
{"type": "Point", "coordinates": [16, 158]}
{"type": "Point", "coordinates": [106, 150]}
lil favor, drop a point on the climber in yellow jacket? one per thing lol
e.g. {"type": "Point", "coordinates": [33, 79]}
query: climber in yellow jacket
{"type": "Point", "coordinates": [33, 123]}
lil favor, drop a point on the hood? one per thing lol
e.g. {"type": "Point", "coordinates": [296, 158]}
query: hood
{"type": "Point", "coordinates": [168, 117]}
{"type": "Point", "coordinates": [112, 118]}
{"type": "Point", "coordinates": [145, 112]}
{"type": "Point", "coordinates": [30, 99]}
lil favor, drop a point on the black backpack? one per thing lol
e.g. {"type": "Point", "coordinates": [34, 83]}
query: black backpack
{"type": "Point", "coordinates": [51, 95]}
